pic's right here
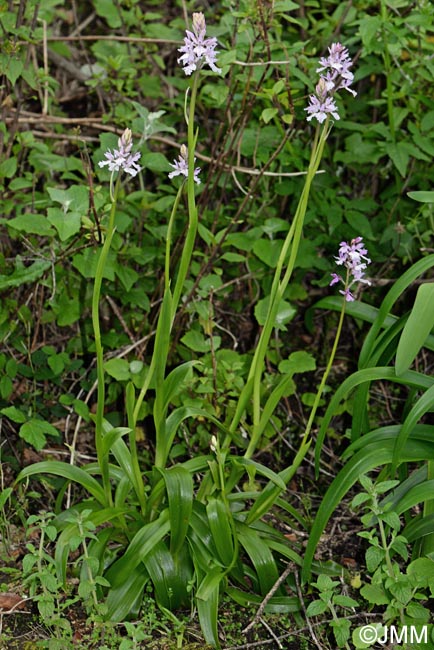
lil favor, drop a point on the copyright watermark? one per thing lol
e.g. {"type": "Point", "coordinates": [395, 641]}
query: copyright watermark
{"type": "Point", "coordinates": [377, 634]}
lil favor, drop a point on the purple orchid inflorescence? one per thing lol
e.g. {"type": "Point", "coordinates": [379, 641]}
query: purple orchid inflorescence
{"type": "Point", "coordinates": [180, 166]}
{"type": "Point", "coordinates": [122, 158]}
{"type": "Point", "coordinates": [336, 75]}
{"type": "Point", "coordinates": [197, 49]}
{"type": "Point", "coordinates": [353, 257]}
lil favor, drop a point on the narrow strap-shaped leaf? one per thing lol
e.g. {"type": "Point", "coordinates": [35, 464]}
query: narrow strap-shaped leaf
{"type": "Point", "coordinates": [207, 605]}
{"type": "Point", "coordinates": [260, 556]}
{"type": "Point", "coordinates": [424, 404]}
{"type": "Point", "coordinates": [123, 599]}
{"type": "Point", "coordinates": [417, 328]}
{"type": "Point", "coordinates": [275, 605]}
{"type": "Point", "coordinates": [409, 378]}
{"type": "Point", "coordinates": [219, 522]}
{"type": "Point", "coordinates": [179, 487]}
{"type": "Point", "coordinates": [170, 588]}
{"type": "Point", "coordinates": [68, 472]}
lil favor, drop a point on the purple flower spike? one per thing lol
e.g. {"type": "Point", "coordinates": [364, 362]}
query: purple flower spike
{"type": "Point", "coordinates": [180, 166]}
{"type": "Point", "coordinates": [197, 49]}
{"type": "Point", "coordinates": [354, 257]}
{"type": "Point", "coordinates": [322, 104]}
{"type": "Point", "coordinates": [336, 75]}
{"type": "Point", "coordinates": [122, 158]}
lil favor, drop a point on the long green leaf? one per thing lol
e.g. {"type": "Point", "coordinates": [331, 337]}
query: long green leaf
{"type": "Point", "coordinates": [260, 556]}
{"type": "Point", "coordinates": [356, 309]}
{"type": "Point", "coordinates": [167, 578]}
{"type": "Point", "coordinates": [409, 378]}
{"type": "Point", "coordinates": [174, 381]}
{"type": "Point", "coordinates": [423, 405]}
{"type": "Point", "coordinates": [219, 522]}
{"type": "Point", "coordinates": [419, 528]}
{"type": "Point", "coordinates": [68, 472]}
{"type": "Point", "coordinates": [203, 550]}
{"type": "Point", "coordinates": [261, 469]}
{"type": "Point", "coordinates": [276, 604]}
{"type": "Point", "coordinates": [417, 328]}
{"type": "Point", "coordinates": [207, 600]}
{"type": "Point", "coordinates": [124, 599]}
{"type": "Point", "coordinates": [142, 543]}
{"type": "Point", "coordinates": [179, 487]}
{"type": "Point", "coordinates": [397, 289]}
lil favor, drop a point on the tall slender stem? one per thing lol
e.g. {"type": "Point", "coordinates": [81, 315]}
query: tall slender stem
{"type": "Point", "coordinates": [101, 455]}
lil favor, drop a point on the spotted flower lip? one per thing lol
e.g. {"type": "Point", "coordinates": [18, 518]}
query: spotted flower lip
{"type": "Point", "coordinates": [122, 158]}
{"type": "Point", "coordinates": [180, 166]}
{"type": "Point", "coordinates": [197, 49]}
{"type": "Point", "coordinates": [354, 257]}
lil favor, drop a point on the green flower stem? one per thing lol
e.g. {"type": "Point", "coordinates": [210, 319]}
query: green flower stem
{"type": "Point", "coordinates": [323, 383]}
{"type": "Point", "coordinates": [169, 239]}
{"type": "Point", "coordinates": [279, 285]}
{"type": "Point", "coordinates": [101, 454]}
{"type": "Point", "coordinates": [170, 302]}
{"type": "Point", "coordinates": [271, 492]}
{"type": "Point", "coordinates": [187, 251]}
{"type": "Point", "coordinates": [388, 70]}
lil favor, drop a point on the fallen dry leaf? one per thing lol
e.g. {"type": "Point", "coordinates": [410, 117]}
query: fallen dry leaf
{"type": "Point", "coordinates": [10, 601]}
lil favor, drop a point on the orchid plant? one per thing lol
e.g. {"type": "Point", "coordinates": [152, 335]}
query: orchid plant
{"type": "Point", "coordinates": [189, 528]}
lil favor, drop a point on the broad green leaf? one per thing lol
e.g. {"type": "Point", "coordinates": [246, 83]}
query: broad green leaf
{"type": "Point", "coordinates": [127, 276]}
{"type": "Point", "coordinates": [269, 114]}
{"type": "Point", "coordinates": [285, 313]}
{"type": "Point", "coordinates": [34, 432]}
{"type": "Point", "coordinates": [14, 414]}
{"type": "Point", "coordinates": [14, 69]}
{"type": "Point", "coordinates": [423, 405]}
{"type": "Point", "coordinates": [198, 342]}
{"type": "Point", "coordinates": [300, 361]}
{"type": "Point", "coordinates": [142, 543]}
{"type": "Point", "coordinates": [275, 605]}
{"type": "Point", "coordinates": [173, 383]}
{"type": "Point", "coordinates": [67, 224]}
{"type": "Point", "coordinates": [394, 294]}
{"type": "Point", "coordinates": [23, 274]}
{"type": "Point", "coordinates": [417, 328]}
{"type": "Point", "coordinates": [260, 469]}
{"type": "Point", "coordinates": [316, 608]}
{"type": "Point", "coordinates": [268, 250]}
{"type": "Point", "coordinates": [118, 368]}
{"type": "Point", "coordinates": [127, 595]}
{"type": "Point", "coordinates": [109, 11]}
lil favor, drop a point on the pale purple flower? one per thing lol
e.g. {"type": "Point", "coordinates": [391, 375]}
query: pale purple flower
{"type": "Point", "coordinates": [337, 65]}
{"type": "Point", "coordinates": [321, 105]}
{"type": "Point", "coordinates": [122, 158]}
{"type": "Point", "coordinates": [197, 49]}
{"type": "Point", "coordinates": [180, 166]}
{"type": "Point", "coordinates": [336, 75]}
{"type": "Point", "coordinates": [354, 257]}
